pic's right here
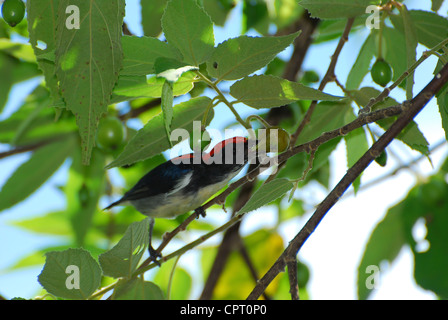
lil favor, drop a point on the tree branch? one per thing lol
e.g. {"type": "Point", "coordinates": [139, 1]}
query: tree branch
{"type": "Point", "coordinates": [329, 76]}
{"type": "Point", "coordinates": [28, 147]}
{"type": "Point", "coordinates": [135, 112]}
{"type": "Point", "coordinates": [292, 275]}
{"type": "Point", "coordinates": [411, 109]}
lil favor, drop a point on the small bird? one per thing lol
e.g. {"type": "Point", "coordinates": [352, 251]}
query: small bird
{"type": "Point", "coordinates": [184, 183]}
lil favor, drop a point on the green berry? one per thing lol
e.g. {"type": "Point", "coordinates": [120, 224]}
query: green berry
{"type": "Point", "coordinates": [110, 133]}
{"type": "Point", "coordinates": [381, 72]}
{"type": "Point", "coordinates": [13, 11]}
{"type": "Point", "coordinates": [310, 76]}
{"type": "Point", "coordinates": [279, 137]}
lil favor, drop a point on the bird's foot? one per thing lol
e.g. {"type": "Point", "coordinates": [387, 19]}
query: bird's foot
{"type": "Point", "coordinates": [153, 255]}
{"type": "Point", "coordinates": [199, 212]}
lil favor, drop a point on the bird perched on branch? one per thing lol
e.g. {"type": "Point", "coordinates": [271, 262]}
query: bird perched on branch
{"type": "Point", "coordinates": [184, 183]}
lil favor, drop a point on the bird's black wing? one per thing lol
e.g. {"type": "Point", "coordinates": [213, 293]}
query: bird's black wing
{"type": "Point", "coordinates": [160, 180]}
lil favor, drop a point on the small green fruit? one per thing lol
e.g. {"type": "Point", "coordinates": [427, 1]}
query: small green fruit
{"type": "Point", "coordinates": [110, 133]}
{"type": "Point", "coordinates": [381, 72]}
{"type": "Point", "coordinates": [13, 11]}
{"type": "Point", "coordinates": [310, 76]}
{"type": "Point", "coordinates": [280, 139]}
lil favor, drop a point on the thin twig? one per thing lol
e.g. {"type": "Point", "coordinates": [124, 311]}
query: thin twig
{"type": "Point", "coordinates": [135, 112]}
{"type": "Point", "coordinates": [29, 147]}
{"type": "Point", "coordinates": [329, 76]}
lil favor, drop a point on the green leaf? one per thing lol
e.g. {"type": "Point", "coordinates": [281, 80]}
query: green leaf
{"type": "Point", "coordinates": [27, 179]}
{"type": "Point", "coordinates": [436, 4]}
{"type": "Point", "coordinates": [18, 50]}
{"type": "Point", "coordinates": [13, 70]}
{"type": "Point", "coordinates": [384, 244]}
{"type": "Point", "coordinates": [256, 15]}
{"type": "Point", "coordinates": [241, 56]}
{"type": "Point", "coordinates": [152, 11]}
{"type": "Point", "coordinates": [133, 87]}
{"type": "Point", "coordinates": [26, 127]}
{"type": "Point", "coordinates": [151, 140]}
{"type": "Point", "coordinates": [189, 29]}
{"type": "Point", "coordinates": [137, 289]}
{"type": "Point", "coordinates": [167, 108]}
{"type": "Point", "coordinates": [411, 47]}
{"type": "Point", "coordinates": [88, 60]}
{"type": "Point", "coordinates": [327, 116]}
{"type": "Point", "coordinates": [64, 270]}
{"type": "Point", "coordinates": [267, 193]}
{"type": "Point", "coordinates": [140, 54]}
{"type": "Point", "coordinates": [429, 26]}
{"type": "Point", "coordinates": [181, 282]}
{"type": "Point", "coordinates": [284, 12]}
{"type": "Point", "coordinates": [362, 64]}
{"type": "Point", "coordinates": [334, 9]}
{"type": "Point", "coordinates": [37, 258]}
{"type": "Point", "coordinates": [395, 46]}
{"type": "Point", "coordinates": [123, 258]}
{"type": "Point", "coordinates": [54, 223]}
{"type": "Point", "coordinates": [265, 91]}
{"type": "Point", "coordinates": [357, 145]}
{"type": "Point", "coordinates": [85, 186]}
{"type": "Point", "coordinates": [321, 158]}
{"type": "Point", "coordinates": [218, 10]}
{"type": "Point", "coordinates": [334, 28]}
{"type": "Point", "coordinates": [442, 101]}
{"type": "Point", "coordinates": [41, 16]}
{"type": "Point", "coordinates": [431, 264]}
{"type": "Point", "coordinates": [7, 66]}
{"type": "Point", "coordinates": [171, 69]}
{"type": "Point", "coordinates": [40, 105]}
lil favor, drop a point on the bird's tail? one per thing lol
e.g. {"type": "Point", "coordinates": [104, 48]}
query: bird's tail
{"type": "Point", "coordinates": [113, 204]}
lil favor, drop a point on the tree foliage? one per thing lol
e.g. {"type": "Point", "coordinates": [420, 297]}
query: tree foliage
{"type": "Point", "coordinates": [91, 66]}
